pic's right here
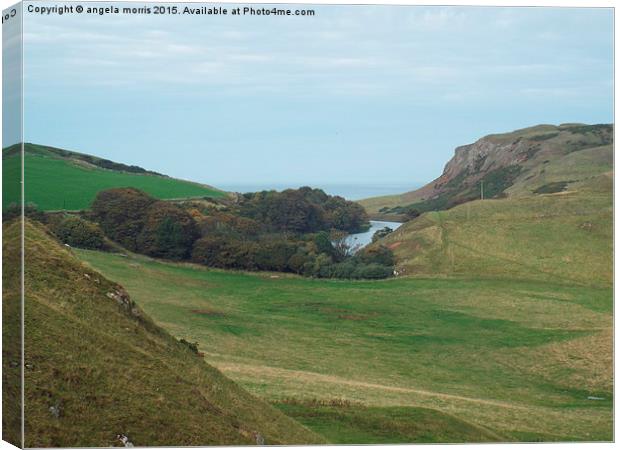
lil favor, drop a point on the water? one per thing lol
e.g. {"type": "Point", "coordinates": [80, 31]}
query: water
{"type": "Point", "coordinates": [361, 240]}
{"type": "Point", "coordinates": [348, 191]}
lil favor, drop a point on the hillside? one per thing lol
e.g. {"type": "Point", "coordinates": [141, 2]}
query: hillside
{"type": "Point", "coordinates": [560, 237]}
{"type": "Point", "coordinates": [52, 175]}
{"type": "Point", "coordinates": [540, 159]}
{"type": "Point", "coordinates": [471, 358]}
{"type": "Point", "coordinates": [96, 366]}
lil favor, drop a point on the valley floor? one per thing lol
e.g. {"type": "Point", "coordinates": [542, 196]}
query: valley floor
{"type": "Point", "coordinates": [490, 359]}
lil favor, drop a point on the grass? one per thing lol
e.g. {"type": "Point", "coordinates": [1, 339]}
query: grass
{"type": "Point", "coordinates": [352, 424]}
{"type": "Point", "coordinates": [564, 237]}
{"type": "Point", "coordinates": [50, 183]}
{"type": "Point", "coordinates": [518, 357]}
{"type": "Point", "coordinates": [108, 369]}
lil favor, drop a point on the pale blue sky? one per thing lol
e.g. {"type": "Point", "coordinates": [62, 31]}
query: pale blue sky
{"type": "Point", "coordinates": [354, 94]}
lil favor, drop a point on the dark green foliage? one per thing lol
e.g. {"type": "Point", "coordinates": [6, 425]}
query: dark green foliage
{"type": "Point", "coordinates": [377, 254]}
{"type": "Point", "coordinates": [30, 210]}
{"type": "Point", "coordinates": [227, 240]}
{"type": "Point", "coordinates": [600, 129]}
{"type": "Point", "coordinates": [225, 252]}
{"type": "Point", "coordinates": [383, 232]}
{"type": "Point", "coordinates": [121, 213]}
{"type": "Point", "coordinates": [303, 210]}
{"type": "Point", "coordinates": [145, 225]}
{"type": "Point", "coordinates": [77, 232]}
{"type": "Point", "coordinates": [551, 188]}
{"type": "Point", "coordinates": [372, 271]}
{"type": "Point", "coordinates": [275, 255]}
{"type": "Point", "coordinates": [285, 211]}
{"type": "Point", "coordinates": [543, 137]}
{"type": "Point", "coordinates": [496, 181]}
{"type": "Point", "coordinates": [168, 232]}
{"type": "Point", "coordinates": [324, 243]}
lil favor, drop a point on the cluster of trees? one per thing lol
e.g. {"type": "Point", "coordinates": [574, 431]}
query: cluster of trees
{"type": "Point", "coordinates": [303, 210]}
{"type": "Point", "coordinates": [70, 229]}
{"type": "Point", "coordinates": [311, 255]}
{"type": "Point", "coordinates": [298, 231]}
{"type": "Point", "coordinates": [309, 238]}
{"type": "Point", "coordinates": [143, 224]}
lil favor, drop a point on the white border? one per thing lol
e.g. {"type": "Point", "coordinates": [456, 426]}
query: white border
{"type": "Point", "coordinates": [516, 3]}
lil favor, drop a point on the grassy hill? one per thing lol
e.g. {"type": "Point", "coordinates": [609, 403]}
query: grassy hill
{"type": "Point", "coordinates": [540, 159]}
{"type": "Point", "coordinates": [563, 237]}
{"type": "Point", "coordinates": [59, 179]}
{"type": "Point", "coordinates": [493, 357]}
{"type": "Point", "coordinates": [96, 365]}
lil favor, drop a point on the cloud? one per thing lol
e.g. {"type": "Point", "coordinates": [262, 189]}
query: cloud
{"type": "Point", "coordinates": [364, 50]}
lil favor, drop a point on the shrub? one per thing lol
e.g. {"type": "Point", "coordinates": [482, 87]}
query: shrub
{"type": "Point", "coordinates": [78, 232]}
{"type": "Point", "coordinates": [372, 271]}
{"type": "Point", "coordinates": [377, 255]}
{"type": "Point", "coordinates": [379, 234]}
{"type": "Point", "coordinates": [274, 255]}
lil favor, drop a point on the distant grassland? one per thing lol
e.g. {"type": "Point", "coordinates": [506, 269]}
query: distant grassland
{"type": "Point", "coordinates": [54, 183]}
{"type": "Point", "coordinates": [517, 358]}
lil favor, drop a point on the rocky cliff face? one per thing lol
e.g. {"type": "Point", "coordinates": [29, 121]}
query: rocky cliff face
{"type": "Point", "coordinates": [498, 161]}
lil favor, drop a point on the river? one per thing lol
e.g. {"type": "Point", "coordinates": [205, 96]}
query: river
{"type": "Point", "coordinates": [361, 240]}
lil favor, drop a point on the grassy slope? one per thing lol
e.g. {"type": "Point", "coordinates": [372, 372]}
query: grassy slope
{"type": "Point", "coordinates": [352, 424]}
{"type": "Point", "coordinates": [113, 371]}
{"type": "Point", "coordinates": [516, 356]}
{"type": "Point", "coordinates": [563, 237]}
{"type": "Point", "coordinates": [51, 182]}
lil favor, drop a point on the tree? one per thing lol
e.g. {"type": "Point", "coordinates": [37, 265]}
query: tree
{"type": "Point", "coordinates": [342, 246]}
{"type": "Point", "coordinates": [168, 232]}
{"type": "Point", "coordinates": [121, 213]}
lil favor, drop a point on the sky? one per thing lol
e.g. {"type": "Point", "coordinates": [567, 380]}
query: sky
{"type": "Point", "coordinates": [355, 94]}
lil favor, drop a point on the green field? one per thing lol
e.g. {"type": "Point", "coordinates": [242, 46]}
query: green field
{"type": "Point", "coordinates": [516, 358]}
{"type": "Point", "coordinates": [55, 183]}
{"type": "Point", "coordinates": [354, 423]}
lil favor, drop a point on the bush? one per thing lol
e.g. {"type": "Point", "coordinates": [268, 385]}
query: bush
{"type": "Point", "coordinates": [379, 234]}
{"type": "Point", "coordinates": [274, 255]}
{"type": "Point", "coordinates": [78, 232]}
{"type": "Point", "coordinates": [373, 271]}
{"type": "Point", "coordinates": [377, 255]}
